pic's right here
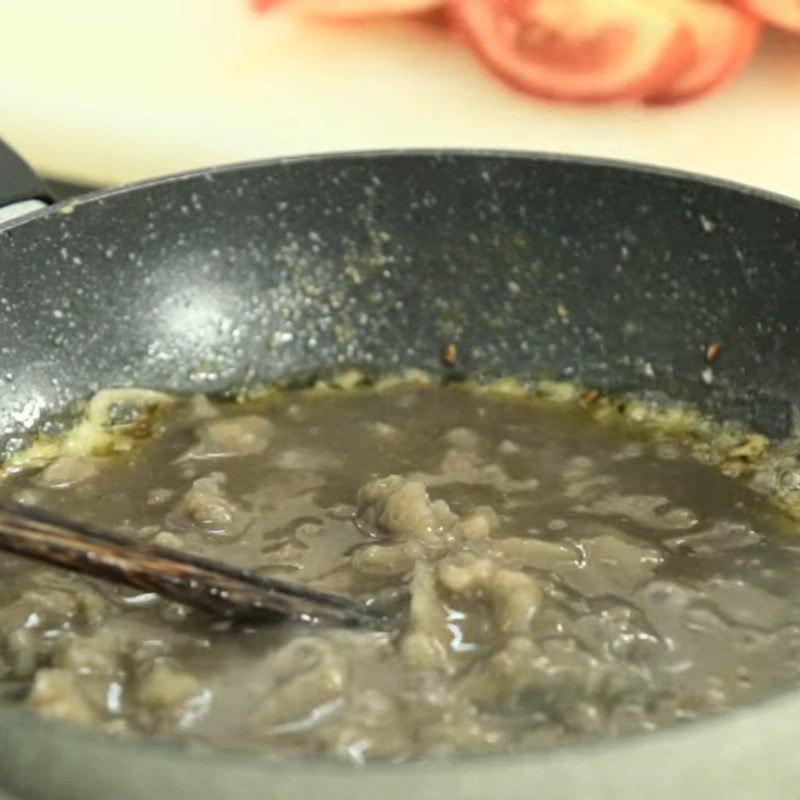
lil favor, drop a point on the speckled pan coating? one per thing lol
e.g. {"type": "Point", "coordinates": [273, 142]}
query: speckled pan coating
{"type": "Point", "coordinates": [617, 275]}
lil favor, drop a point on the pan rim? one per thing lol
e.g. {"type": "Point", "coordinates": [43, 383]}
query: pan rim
{"type": "Point", "coordinates": [204, 173]}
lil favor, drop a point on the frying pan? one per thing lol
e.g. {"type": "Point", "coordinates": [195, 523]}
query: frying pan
{"type": "Point", "coordinates": [615, 274]}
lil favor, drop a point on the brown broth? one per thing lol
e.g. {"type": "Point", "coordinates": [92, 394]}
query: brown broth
{"type": "Point", "coordinates": [567, 579]}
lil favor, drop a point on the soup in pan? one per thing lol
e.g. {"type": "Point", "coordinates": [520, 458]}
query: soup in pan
{"type": "Point", "coordinates": [570, 568]}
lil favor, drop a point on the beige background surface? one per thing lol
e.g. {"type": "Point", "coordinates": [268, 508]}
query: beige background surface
{"type": "Point", "coordinates": [102, 92]}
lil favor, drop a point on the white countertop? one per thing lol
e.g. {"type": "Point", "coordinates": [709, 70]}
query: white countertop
{"type": "Point", "coordinates": [99, 92]}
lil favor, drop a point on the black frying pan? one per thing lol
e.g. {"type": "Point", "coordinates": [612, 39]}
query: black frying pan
{"type": "Point", "coordinates": [618, 275]}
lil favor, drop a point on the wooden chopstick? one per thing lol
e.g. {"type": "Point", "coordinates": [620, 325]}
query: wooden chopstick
{"type": "Point", "coordinates": [218, 589]}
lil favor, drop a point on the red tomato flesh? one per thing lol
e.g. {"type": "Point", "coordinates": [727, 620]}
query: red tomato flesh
{"type": "Point", "coordinates": [784, 13]}
{"type": "Point", "coordinates": [351, 9]}
{"type": "Point", "coordinates": [580, 50]}
{"type": "Point", "coordinates": [724, 40]}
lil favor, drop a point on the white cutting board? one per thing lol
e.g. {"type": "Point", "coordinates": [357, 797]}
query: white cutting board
{"type": "Point", "coordinates": [103, 92]}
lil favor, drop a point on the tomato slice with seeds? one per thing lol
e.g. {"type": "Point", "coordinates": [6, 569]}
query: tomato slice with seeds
{"type": "Point", "coordinates": [783, 13]}
{"type": "Point", "coordinates": [351, 9]}
{"type": "Point", "coordinates": [590, 50]}
{"type": "Point", "coordinates": [724, 40]}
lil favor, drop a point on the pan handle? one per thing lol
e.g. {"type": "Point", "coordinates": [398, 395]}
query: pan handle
{"type": "Point", "coordinates": [21, 190]}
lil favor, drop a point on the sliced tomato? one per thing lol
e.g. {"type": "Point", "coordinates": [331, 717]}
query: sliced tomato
{"type": "Point", "coordinates": [352, 9]}
{"type": "Point", "coordinates": [783, 13]}
{"type": "Point", "coordinates": [582, 50]}
{"type": "Point", "coordinates": [264, 5]}
{"type": "Point", "coordinates": [724, 40]}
